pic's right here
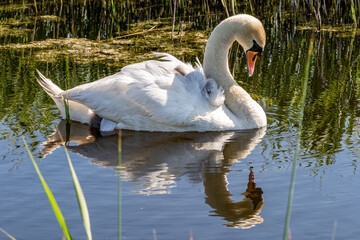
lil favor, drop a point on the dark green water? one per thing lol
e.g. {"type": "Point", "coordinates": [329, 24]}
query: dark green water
{"type": "Point", "coordinates": [186, 184]}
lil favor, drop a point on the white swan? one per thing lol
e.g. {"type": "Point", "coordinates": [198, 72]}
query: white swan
{"type": "Point", "coordinates": [170, 95]}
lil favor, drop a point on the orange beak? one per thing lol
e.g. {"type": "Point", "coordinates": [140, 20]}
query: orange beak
{"type": "Point", "coordinates": [251, 59]}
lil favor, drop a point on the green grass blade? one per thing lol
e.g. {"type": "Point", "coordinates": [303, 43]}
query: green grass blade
{"type": "Point", "coordinates": [50, 196]}
{"type": "Point", "coordinates": [334, 231]}
{"type": "Point", "coordinates": [298, 137]}
{"type": "Point", "coordinates": [119, 182]}
{"type": "Point", "coordinates": [225, 7]}
{"type": "Point", "coordinates": [353, 15]}
{"type": "Point", "coordinates": [80, 197]}
{"type": "Point", "coordinates": [7, 234]}
{"type": "Point", "coordinates": [67, 110]}
{"type": "Point", "coordinates": [67, 117]}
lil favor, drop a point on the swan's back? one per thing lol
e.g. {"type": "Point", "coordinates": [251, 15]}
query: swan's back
{"type": "Point", "coordinates": [165, 95]}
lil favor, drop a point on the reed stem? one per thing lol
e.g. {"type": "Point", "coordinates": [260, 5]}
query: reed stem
{"type": "Point", "coordinates": [50, 196]}
{"type": "Point", "coordinates": [119, 180]}
{"type": "Point", "coordinates": [298, 137]}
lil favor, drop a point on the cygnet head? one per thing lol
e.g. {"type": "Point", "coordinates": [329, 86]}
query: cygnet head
{"type": "Point", "coordinates": [209, 88]}
{"type": "Point", "coordinates": [214, 93]}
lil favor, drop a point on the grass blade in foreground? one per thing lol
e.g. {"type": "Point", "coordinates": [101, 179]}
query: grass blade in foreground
{"type": "Point", "coordinates": [302, 106]}
{"type": "Point", "coordinates": [50, 196]}
{"type": "Point", "coordinates": [79, 193]}
{"type": "Point", "coordinates": [7, 234]}
{"type": "Point", "coordinates": [67, 117]}
{"type": "Point", "coordinates": [80, 197]}
{"type": "Point", "coordinates": [119, 182]}
{"type": "Point", "coordinates": [67, 109]}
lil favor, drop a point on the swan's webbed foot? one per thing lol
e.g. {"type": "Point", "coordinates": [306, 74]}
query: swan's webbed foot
{"type": "Point", "coordinates": [101, 127]}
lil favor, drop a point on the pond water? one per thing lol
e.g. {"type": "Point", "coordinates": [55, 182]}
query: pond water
{"type": "Point", "coordinates": [221, 185]}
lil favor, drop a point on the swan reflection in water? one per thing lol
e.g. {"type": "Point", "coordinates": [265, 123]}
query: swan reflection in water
{"type": "Point", "coordinates": [156, 160]}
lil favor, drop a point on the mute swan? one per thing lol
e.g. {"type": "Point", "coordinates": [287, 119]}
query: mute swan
{"type": "Point", "coordinates": [170, 95]}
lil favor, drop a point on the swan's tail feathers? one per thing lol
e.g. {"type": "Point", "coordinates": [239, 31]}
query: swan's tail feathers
{"type": "Point", "coordinates": [50, 88]}
{"type": "Point", "coordinates": [78, 112]}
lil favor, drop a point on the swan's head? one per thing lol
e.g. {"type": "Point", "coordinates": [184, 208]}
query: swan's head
{"type": "Point", "coordinates": [243, 28]}
{"type": "Point", "coordinates": [251, 56]}
{"type": "Point", "coordinates": [250, 33]}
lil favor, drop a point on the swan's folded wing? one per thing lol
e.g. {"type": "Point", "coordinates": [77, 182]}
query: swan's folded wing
{"type": "Point", "coordinates": [165, 104]}
{"type": "Point", "coordinates": [151, 90]}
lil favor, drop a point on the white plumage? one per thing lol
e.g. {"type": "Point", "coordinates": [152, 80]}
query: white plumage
{"type": "Point", "coordinates": [164, 95]}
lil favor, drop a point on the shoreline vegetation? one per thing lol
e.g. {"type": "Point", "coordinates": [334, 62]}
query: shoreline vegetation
{"type": "Point", "coordinates": [53, 28]}
{"type": "Point", "coordinates": [115, 49]}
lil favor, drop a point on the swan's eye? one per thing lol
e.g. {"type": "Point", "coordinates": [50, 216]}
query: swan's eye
{"type": "Point", "coordinates": [256, 48]}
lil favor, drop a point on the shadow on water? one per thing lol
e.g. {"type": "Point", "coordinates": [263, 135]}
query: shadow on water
{"type": "Point", "coordinates": [155, 161]}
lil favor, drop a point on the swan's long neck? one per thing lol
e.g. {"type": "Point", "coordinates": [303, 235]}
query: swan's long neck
{"type": "Point", "coordinates": [216, 66]}
{"type": "Point", "coordinates": [216, 63]}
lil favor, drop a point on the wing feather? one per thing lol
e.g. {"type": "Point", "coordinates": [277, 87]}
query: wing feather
{"type": "Point", "coordinates": [159, 90]}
